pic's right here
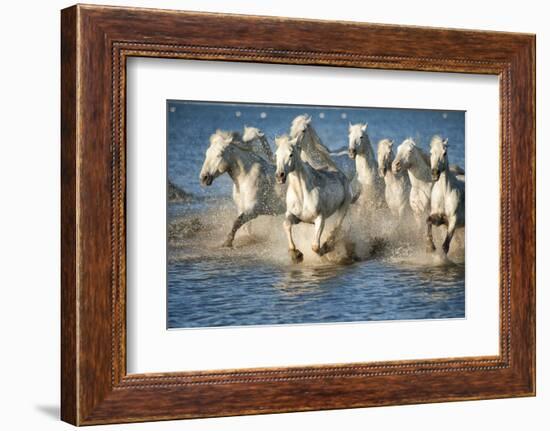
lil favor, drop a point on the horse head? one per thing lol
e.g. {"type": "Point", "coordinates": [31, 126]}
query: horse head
{"type": "Point", "coordinates": [358, 139]}
{"type": "Point", "coordinates": [216, 159]}
{"type": "Point", "coordinates": [287, 156]}
{"type": "Point", "coordinates": [404, 157]}
{"type": "Point", "coordinates": [251, 134]}
{"type": "Point", "coordinates": [385, 156]}
{"type": "Point", "coordinates": [299, 127]}
{"type": "Point", "coordinates": [438, 156]}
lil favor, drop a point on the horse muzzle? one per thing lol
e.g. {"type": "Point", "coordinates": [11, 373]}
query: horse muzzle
{"type": "Point", "coordinates": [382, 172]}
{"type": "Point", "coordinates": [435, 175]}
{"type": "Point", "coordinates": [206, 179]}
{"type": "Point", "coordinates": [280, 177]}
{"type": "Point", "coordinates": [352, 153]}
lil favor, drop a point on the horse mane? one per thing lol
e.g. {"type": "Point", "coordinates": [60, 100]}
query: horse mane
{"type": "Point", "coordinates": [423, 155]}
{"type": "Point", "coordinates": [223, 137]}
{"type": "Point", "coordinates": [299, 125]}
{"type": "Point", "coordinates": [226, 138]}
{"type": "Point", "coordinates": [457, 169]}
{"type": "Point", "coordinates": [359, 130]}
{"type": "Point", "coordinates": [409, 141]}
{"type": "Point", "coordinates": [315, 152]}
{"type": "Point", "coordinates": [437, 139]}
{"type": "Point", "coordinates": [282, 139]}
{"type": "Point", "coordinates": [387, 143]}
{"type": "Point", "coordinates": [250, 135]}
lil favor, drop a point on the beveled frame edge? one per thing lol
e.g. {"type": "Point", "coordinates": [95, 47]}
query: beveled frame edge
{"type": "Point", "coordinates": [96, 41]}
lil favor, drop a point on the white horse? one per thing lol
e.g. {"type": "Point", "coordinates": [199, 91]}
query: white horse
{"type": "Point", "coordinates": [313, 195]}
{"type": "Point", "coordinates": [448, 195]}
{"type": "Point", "coordinates": [398, 187]}
{"type": "Point", "coordinates": [412, 159]}
{"type": "Point", "coordinates": [256, 139]}
{"type": "Point", "coordinates": [360, 149]}
{"type": "Point", "coordinates": [313, 151]}
{"type": "Point", "coordinates": [254, 190]}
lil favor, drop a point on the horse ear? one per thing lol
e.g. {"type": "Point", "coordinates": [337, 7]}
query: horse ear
{"type": "Point", "coordinates": [391, 143]}
{"type": "Point", "coordinates": [446, 142]}
{"type": "Point", "coordinates": [349, 125]}
{"type": "Point", "coordinates": [364, 127]}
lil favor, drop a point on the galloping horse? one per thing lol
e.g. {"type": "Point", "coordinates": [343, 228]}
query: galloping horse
{"type": "Point", "coordinates": [254, 190]}
{"type": "Point", "coordinates": [448, 195]}
{"type": "Point", "coordinates": [398, 187]}
{"type": "Point", "coordinates": [360, 149]}
{"type": "Point", "coordinates": [313, 195]}
{"type": "Point", "coordinates": [412, 159]}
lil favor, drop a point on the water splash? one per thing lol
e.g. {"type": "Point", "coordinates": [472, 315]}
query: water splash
{"type": "Point", "coordinates": [366, 235]}
{"type": "Point", "coordinates": [255, 283]}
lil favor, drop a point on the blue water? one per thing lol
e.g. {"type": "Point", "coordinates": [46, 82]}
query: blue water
{"type": "Point", "coordinates": [254, 283]}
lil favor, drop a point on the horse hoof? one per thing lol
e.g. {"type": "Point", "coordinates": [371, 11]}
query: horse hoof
{"type": "Point", "coordinates": [350, 251]}
{"type": "Point", "coordinates": [430, 248]}
{"type": "Point", "coordinates": [296, 256]}
{"type": "Point", "coordinates": [326, 248]}
{"type": "Point", "coordinates": [316, 249]}
{"type": "Point", "coordinates": [227, 244]}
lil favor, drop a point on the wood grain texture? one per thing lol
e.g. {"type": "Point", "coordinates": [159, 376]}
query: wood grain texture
{"type": "Point", "coordinates": [96, 41]}
{"type": "Point", "coordinates": [69, 367]}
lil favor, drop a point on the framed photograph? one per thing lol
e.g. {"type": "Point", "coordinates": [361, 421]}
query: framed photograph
{"type": "Point", "coordinates": [267, 215]}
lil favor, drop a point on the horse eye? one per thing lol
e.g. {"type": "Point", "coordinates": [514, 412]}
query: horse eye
{"type": "Point", "coordinates": [291, 154]}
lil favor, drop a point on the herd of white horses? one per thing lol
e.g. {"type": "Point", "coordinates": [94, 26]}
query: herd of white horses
{"type": "Point", "coordinates": [302, 181]}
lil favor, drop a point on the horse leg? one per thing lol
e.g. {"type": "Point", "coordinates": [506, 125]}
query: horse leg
{"type": "Point", "coordinates": [248, 228]}
{"type": "Point", "coordinates": [319, 226]}
{"type": "Point", "coordinates": [295, 254]}
{"type": "Point", "coordinates": [451, 226]}
{"type": "Point", "coordinates": [239, 221]}
{"type": "Point", "coordinates": [331, 239]}
{"type": "Point", "coordinates": [418, 218]}
{"type": "Point", "coordinates": [430, 246]}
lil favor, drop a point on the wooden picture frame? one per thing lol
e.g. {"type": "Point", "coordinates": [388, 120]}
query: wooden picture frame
{"type": "Point", "coordinates": [96, 41]}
